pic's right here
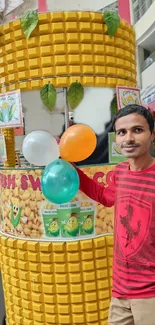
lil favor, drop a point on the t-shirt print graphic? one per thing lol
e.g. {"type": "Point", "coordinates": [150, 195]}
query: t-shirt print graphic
{"type": "Point", "coordinates": [133, 219]}
{"type": "Point", "coordinates": [131, 233]}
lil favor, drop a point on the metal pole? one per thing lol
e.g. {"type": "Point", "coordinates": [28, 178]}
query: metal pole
{"type": "Point", "coordinates": [66, 110]}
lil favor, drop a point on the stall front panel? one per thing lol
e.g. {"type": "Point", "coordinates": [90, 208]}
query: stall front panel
{"type": "Point", "coordinates": [25, 213]}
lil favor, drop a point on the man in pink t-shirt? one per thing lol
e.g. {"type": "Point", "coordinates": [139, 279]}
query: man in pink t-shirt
{"type": "Point", "coordinates": [132, 193]}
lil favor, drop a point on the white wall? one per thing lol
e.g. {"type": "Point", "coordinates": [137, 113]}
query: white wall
{"type": "Point", "coordinates": [37, 117]}
{"type": "Point", "coordinates": [60, 5]}
{"type": "Point", "coordinates": [143, 26]}
{"type": "Point", "coordinates": [69, 5]}
{"type": "Point", "coordinates": [94, 110]}
{"type": "Point", "coordinates": [148, 76]}
{"type": "Point", "coordinates": [23, 8]}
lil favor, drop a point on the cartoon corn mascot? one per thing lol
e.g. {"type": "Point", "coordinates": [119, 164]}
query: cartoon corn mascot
{"type": "Point", "coordinates": [54, 228]}
{"type": "Point", "coordinates": [72, 225]}
{"type": "Point", "coordinates": [88, 225]}
{"type": "Point", "coordinates": [15, 214]}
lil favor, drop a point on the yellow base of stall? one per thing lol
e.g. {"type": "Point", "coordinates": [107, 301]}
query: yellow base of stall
{"type": "Point", "coordinates": [59, 283]}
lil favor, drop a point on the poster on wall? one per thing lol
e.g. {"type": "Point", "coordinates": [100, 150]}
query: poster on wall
{"type": "Point", "coordinates": [11, 109]}
{"type": "Point", "coordinates": [115, 155]}
{"type": "Point", "coordinates": [3, 154]}
{"type": "Point", "coordinates": [24, 211]}
{"type": "Point", "coordinates": [127, 96]}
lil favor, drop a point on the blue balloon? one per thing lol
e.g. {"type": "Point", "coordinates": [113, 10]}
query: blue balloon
{"type": "Point", "coordinates": [60, 182]}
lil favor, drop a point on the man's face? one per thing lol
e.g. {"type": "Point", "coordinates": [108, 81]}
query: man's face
{"type": "Point", "coordinates": [133, 135]}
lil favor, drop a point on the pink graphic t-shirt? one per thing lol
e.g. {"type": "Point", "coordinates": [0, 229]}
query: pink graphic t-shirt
{"type": "Point", "coordinates": [133, 195]}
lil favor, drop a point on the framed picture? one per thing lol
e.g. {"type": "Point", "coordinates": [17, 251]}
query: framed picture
{"type": "Point", "coordinates": [127, 96]}
{"type": "Point", "coordinates": [115, 155]}
{"type": "Point", "coordinates": [11, 110]}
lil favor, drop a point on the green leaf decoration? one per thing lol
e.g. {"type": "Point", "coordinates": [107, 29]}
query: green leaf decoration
{"type": "Point", "coordinates": [112, 20]}
{"type": "Point", "coordinates": [113, 106]}
{"type": "Point", "coordinates": [29, 22]}
{"type": "Point", "coordinates": [12, 110]}
{"type": "Point", "coordinates": [48, 95]}
{"type": "Point", "coordinates": [75, 94]}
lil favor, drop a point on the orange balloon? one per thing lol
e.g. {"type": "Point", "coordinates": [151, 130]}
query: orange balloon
{"type": "Point", "coordinates": [77, 143]}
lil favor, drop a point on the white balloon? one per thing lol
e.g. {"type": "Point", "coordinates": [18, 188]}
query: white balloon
{"type": "Point", "coordinates": [40, 148]}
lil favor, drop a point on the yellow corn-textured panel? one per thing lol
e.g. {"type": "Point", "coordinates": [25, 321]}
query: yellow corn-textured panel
{"type": "Point", "coordinates": [45, 39]}
{"type": "Point", "coordinates": [57, 27]}
{"type": "Point", "coordinates": [47, 61]}
{"type": "Point", "coordinates": [97, 28]}
{"type": "Point", "coordinates": [4, 70]}
{"type": "Point", "coordinates": [2, 40]}
{"type": "Point", "coordinates": [87, 69]}
{"type": "Point", "coordinates": [45, 51]}
{"type": "Point", "coordinates": [76, 43]}
{"type": "Point", "coordinates": [44, 285]}
{"type": "Point", "coordinates": [3, 61]}
{"type": "Point", "coordinates": [8, 37]}
{"type": "Point", "coordinates": [22, 65]}
{"type": "Point", "coordinates": [72, 38]}
{"type": "Point", "coordinates": [44, 18]}
{"type": "Point", "coordinates": [12, 67]}
{"type": "Point", "coordinates": [10, 147]}
{"type": "Point", "coordinates": [119, 52]}
{"type": "Point", "coordinates": [110, 50]}
{"type": "Point", "coordinates": [110, 61]}
{"type": "Point", "coordinates": [8, 28]}
{"type": "Point", "coordinates": [119, 32]}
{"type": "Point", "coordinates": [112, 71]}
{"type": "Point", "coordinates": [17, 24]}
{"type": "Point", "coordinates": [33, 53]}
{"type": "Point", "coordinates": [70, 16]}
{"type": "Point", "coordinates": [73, 48]}
{"type": "Point", "coordinates": [71, 26]}
{"type": "Point", "coordinates": [99, 60]}
{"type": "Point", "coordinates": [23, 75]}
{"type": "Point", "coordinates": [33, 42]}
{"type": "Point", "coordinates": [44, 29]}
{"type": "Point", "coordinates": [35, 73]}
{"type": "Point", "coordinates": [34, 63]}
{"type": "Point", "coordinates": [84, 16]}
{"type": "Point", "coordinates": [61, 70]}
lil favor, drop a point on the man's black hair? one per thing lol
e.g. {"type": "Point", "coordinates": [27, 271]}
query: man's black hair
{"type": "Point", "coordinates": [135, 109]}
